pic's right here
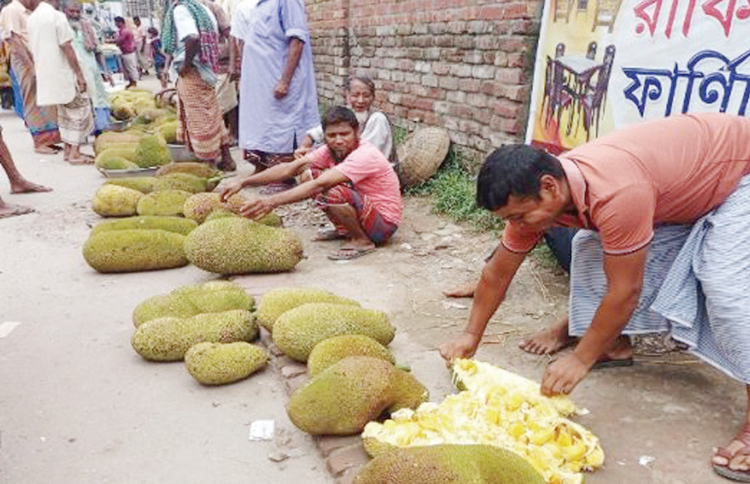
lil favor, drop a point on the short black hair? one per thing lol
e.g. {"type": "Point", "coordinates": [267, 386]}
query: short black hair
{"type": "Point", "coordinates": [152, 30]}
{"type": "Point", "coordinates": [340, 114]}
{"type": "Point", "coordinates": [119, 19]}
{"type": "Point", "coordinates": [514, 170]}
{"type": "Point", "coordinates": [136, 18]}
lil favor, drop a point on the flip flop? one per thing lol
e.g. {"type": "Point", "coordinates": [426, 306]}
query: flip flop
{"type": "Point", "coordinates": [327, 234]}
{"type": "Point", "coordinates": [731, 474]}
{"type": "Point", "coordinates": [605, 362]}
{"type": "Point", "coordinates": [349, 253]}
{"type": "Point", "coordinates": [724, 470]}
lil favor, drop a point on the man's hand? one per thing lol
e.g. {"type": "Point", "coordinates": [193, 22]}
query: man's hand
{"type": "Point", "coordinates": [229, 188]}
{"type": "Point", "coordinates": [464, 346]}
{"type": "Point", "coordinates": [302, 151]}
{"type": "Point", "coordinates": [563, 375]}
{"type": "Point", "coordinates": [81, 83]}
{"type": "Point", "coordinates": [281, 89]}
{"type": "Point", "coordinates": [257, 208]}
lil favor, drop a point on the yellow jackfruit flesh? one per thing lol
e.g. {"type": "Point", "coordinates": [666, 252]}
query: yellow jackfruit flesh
{"type": "Point", "coordinates": [180, 181]}
{"type": "Point", "coordinates": [168, 339]}
{"type": "Point", "coordinates": [178, 225]}
{"type": "Point", "coordinates": [497, 408]}
{"type": "Point", "coordinates": [201, 170]}
{"type": "Point", "coordinates": [134, 250]}
{"type": "Point", "coordinates": [162, 202]}
{"type": "Point", "coordinates": [277, 301]}
{"type": "Point", "coordinates": [223, 363]}
{"type": "Point", "coordinates": [115, 201]}
{"type": "Point", "coordinates": [347, 395]}
{"type": "Point", "coordinates": [331, 350]}
{"type": "Point", "coordinates": [151, 151]}
{"type": "Point", "coordinates": [143, 184]}
{"type": "Point", "coordinates": [441, 464]}
{"type": "Point", "coordinates": [297, 331]}
{"type": "Point", "coordinates": [240, 246]}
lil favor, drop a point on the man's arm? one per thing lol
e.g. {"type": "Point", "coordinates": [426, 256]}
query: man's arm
{"type": "Point", "coordinates": [70, 55]}
{"type": "Point", "coordinates": [496, 276]}
{"type": "Point", "coordinates": [192, 48]}
{"type": "Point", "coordinates": [624, 281]}
{"type": "Point", "coordinates": [235, 57]}
{"type": "Point", "coordinates": [277, 173]}
{"type": "Point", "coordinates": [295, 53]}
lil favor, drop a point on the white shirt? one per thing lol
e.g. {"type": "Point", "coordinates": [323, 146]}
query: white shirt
{"type": "Point", "coordinates": [55, 78]}
{"type": "Point", "coordinates": [185, 23]}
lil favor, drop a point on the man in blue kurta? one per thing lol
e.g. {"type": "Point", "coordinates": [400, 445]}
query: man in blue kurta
{"type": "Point", "coordinates": [278, 101]}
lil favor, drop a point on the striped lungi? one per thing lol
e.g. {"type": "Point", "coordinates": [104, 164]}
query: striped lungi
{"type": "Point", "coordinates": [201, 124]}
{"type": "Point", "coordinates": [76, 119]}
{"type": "Point", "coordinates": [375, 226]}
{"type": "Point", "coordinates": [696, 285]}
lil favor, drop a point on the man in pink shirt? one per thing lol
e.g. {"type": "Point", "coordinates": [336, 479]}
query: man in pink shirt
{"type": "Point", "coordinates": [351, 180]}
{"type": "Point", "coordinates": [126, 43]}
{"type": "Point", "coordinates": [666, 210]}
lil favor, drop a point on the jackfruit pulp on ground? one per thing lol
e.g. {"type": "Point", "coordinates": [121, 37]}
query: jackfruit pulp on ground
{"type": "Point", "coordinates": [144, 184]}
{"type": "Point", "coordinates": [168, 339]}
{"type": "Point", "coordinates": [222, 363]}
{"type": "Point", "coordinates": [181, 181]}
{"type": "Point", "coordinates": [347, 395]}
{"type": "Point", "coordinates": [330, 351]}
{"type": "Point", "coordinates": [115, 201]}
{"type": "Point", "coordinates": [496, 408]}
{"type": "Point", "coordinates": [441, 464]}
{"type": "Point", "coordinates": [201, 205]}
{"type": "Point", "coordinates": [277, 301]}
{"type": "Point", "coordinates": [163, 202]}
{"type": "Point", "coordinates": [114, 163]}
{"type": "Point", "coordinates": [201, 170]}
{"type": "Point", "coordinates": [178, 225]}
{"type": "Point", "coordinates": [297, 331]}
{"type": "Point", "coordinates": [134, 250]}
{"type": "Point", "coordinates": [151, 151]}
{"type": "Point", "coordinates": [239, 246]}
{"type": "Point", "coordinates": [186, 301]}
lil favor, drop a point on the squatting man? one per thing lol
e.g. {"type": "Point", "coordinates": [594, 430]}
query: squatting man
{"type": "Point", "coordinates": [351, 181]}
{"type": "Point", "coordinates": [665, 211]}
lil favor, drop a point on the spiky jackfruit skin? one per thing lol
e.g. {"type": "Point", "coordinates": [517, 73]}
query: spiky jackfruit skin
{"type": "Point", "coordinates": [221, 213]}
{"type": "Point", "coordinates": [187, 301]}
{"type": "Point", "coordinates": [115, 201]}
{"type": "Point", "coordinates": [297, 331]}
{"type": "Point", "coordinates": [347, 395]}
{"type": "Point", "coordinates": [201, 170]}
{"type": "Point", "coordinates": [168, 131]}
{"type": "Point", "coordinates": [134, 250]}
{"type": "Point", "coordinates": [151, 151]}
{"type": "Point", "coordinates": [278, 301]}
{"type": "Point", "coordinates": [201, 205]}
{"type": "Point", "coordinates": [116, 150]}
{"type": "Point", "coordinates": [236, 245]}
{"type": "Point", "coordinates": [110, 138]}
{"type": "Point", "coordinates": [181, 181]}
{"type": "Point", "coordinates": [143, 184]}
{"type": "Point", "coordinates": [114, 163]}
{"type": "Point", "coordinates": [447, 463]}
{"type": "Point", "coordinates": [163, 202]}
{"type": "Point", "coordinates": [178, 225]}
{"type": "Point", "coordinates": [168, 339]}
{"type": "Point", "coordinates": [330, 351]}
{"type": "Point", "coordinates": [223, 363]}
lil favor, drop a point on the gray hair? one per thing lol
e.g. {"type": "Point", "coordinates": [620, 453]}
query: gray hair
{"type": "Point", "coordinates": [364, 80]}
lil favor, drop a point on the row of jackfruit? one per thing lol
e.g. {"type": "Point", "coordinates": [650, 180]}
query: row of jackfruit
{"type": "Point", "coordinates": [146, 115]}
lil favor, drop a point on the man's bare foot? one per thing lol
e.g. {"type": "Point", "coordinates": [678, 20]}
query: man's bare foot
{"type": "Point", "coordinates": [46, 150]}
{"type": "Point", "coordinates": [734, 457]}
{"type": "Point", "coordinates": [25, 186]}
{"type": "Point", "coordinates": [81, 160]}
{"type": "Point", "coordinates": [8, 210]}
{"type": "Point", "coordinates": [467, 290]}
{"type": "Point", "coordinates": [548, 341]}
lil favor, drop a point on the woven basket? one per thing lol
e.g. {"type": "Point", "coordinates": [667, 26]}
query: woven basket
{"type": "Point", "coordinates": [421, 155]}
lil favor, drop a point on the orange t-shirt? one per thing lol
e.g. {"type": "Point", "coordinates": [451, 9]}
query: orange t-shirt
{"type": "Point", "coordinates": [667, 171]}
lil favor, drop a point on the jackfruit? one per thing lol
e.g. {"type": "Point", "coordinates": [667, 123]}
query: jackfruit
{"type": "Point", "coordinates": [446, 463]}
{"type": "Point", "coordinates": [168, 339]}
{"type": "Point", "coordinates": [222, 363]}
{"type": "Point", "coordinates": [187, 301]}
{"type": "Point", "coordinates": [115, 201]}
{"type": "Point", "coordinates": [178, 225]}
{"type": "Point", "coordinates": [332, 350]}
{"type": "Point", "coordinates": [201, 205]}
{"type": "Point", "coordinates": [163, 202]}
{"type": "Point", "coordinates": [181, 181]}
{"type": "Point", "coordinates": [134, 250]}
{"type": "Point", "coordinates": [297, 331]}
{"type": "Point", "coordinates": [217, 214]}
{"type": "Point", "coordinates": [149, 115]}
{"type": "Point", "coordinates": [354, 391]}
{"type": "Point", "coordinates": [168, 131]}
{"type": "Point", "coordinates": [116, 151]}
{"type": "Point", "coordinates": [278, 301]}
{"type": "Point", "coordinates": [151, 151]}
{"type": "Point", "coordinates": [122, 111]}
{"type": "Point", "coordinates": [143, 184]}
{"type": "Point", "coordinates": [110, 138]}
{"type": "Point", "coordinates": [239, 246]}
{"type": "Point", "coordinates": [201, 170]}
{"type": "Point", "coordinates": [115, 163]}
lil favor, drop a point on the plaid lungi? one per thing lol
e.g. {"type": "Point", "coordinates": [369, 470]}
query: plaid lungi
{"type": "Point", "coordinates": [76, 119]}
{"type": "Point", "coordinates": [201, 125]}
{"type": "Point", "coordinates": [374, 225]}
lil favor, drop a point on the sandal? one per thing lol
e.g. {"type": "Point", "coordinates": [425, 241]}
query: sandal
{"type": "Point", "coordinates": [606, 362]}
{"type": "Point", "coordinates": [724, 470]}
{"type": "Point", "coordinates": [349, 253]}
{"type": "Point", "coordinates": [324, 235]}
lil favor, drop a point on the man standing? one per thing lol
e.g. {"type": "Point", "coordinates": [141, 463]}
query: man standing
{"type": "Point", "coordinates": [666, 205]}
{"type": "Point", "coordinates": [278, 101]}
{"type": "Point", "coordinates": [40, 120]}
{"type": "Point", "coordinates": [60, 79]}
{"type": "Point", "coordinates": [139, 36]}
{"type": "Point", "coordinates": [126, 43]}
{"type": "Point", "coordinates": [18, 184]}
{"type": "Point", "coordinates": [190, 35]}
{"type": "Point", "coordinates": [351, 180]}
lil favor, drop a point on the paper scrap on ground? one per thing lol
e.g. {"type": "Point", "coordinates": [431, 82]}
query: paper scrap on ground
{"type": "Point", "coordinates": [261, 430]}
{"type": "Point", "coordinates": [646, 460]}
{"type": "Point", "coordinates": [7, 327]}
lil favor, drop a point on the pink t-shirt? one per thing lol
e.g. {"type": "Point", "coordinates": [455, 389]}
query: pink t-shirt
{"type": "Point", "coordinates": [667, 171]}
{"type": "Point", "coordinates": [371, 174]}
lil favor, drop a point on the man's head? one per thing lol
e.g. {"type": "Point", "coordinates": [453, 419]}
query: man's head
{"type": "Point", "coordinates": [30, 4]}
{"type": "Point", "coordinates": [523, 184]}
{"type": "Point", "coordinates": [137, 21]}
{"type": "Point", "coordinates": [152, 32]}
{"type": "Point", "coordinates": [341, 130]}
{"type": "Point", "coordinates": [72, 9]}
{"type": "Point", "coordinates": [360, 93]}
{"type": "Point", "coordinates": [119, 22]}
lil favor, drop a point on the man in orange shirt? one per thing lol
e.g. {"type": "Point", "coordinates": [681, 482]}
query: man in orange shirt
{"type": "Point", "coordinates": [666, 208]}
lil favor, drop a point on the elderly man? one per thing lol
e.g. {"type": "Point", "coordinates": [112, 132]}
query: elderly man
{"type": "Point", "coordinates": [351, 180]}
{"type": "Point", "coordinates": [278, 101]}
{"type": "Point", "coordinates": [666, 205]}
{"type": "Point", "coordinates": [60, 79]}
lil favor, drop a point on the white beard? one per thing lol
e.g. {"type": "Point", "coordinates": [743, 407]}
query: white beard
{"type": "Point", "coordinates": [362, 117]}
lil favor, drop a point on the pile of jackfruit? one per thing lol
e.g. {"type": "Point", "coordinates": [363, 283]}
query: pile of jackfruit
{"type": "Point", "coordinates": [496, 408]}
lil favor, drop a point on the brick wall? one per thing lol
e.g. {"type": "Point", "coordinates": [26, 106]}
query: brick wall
{"type": "Point", "coordinates": [460, 64]}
